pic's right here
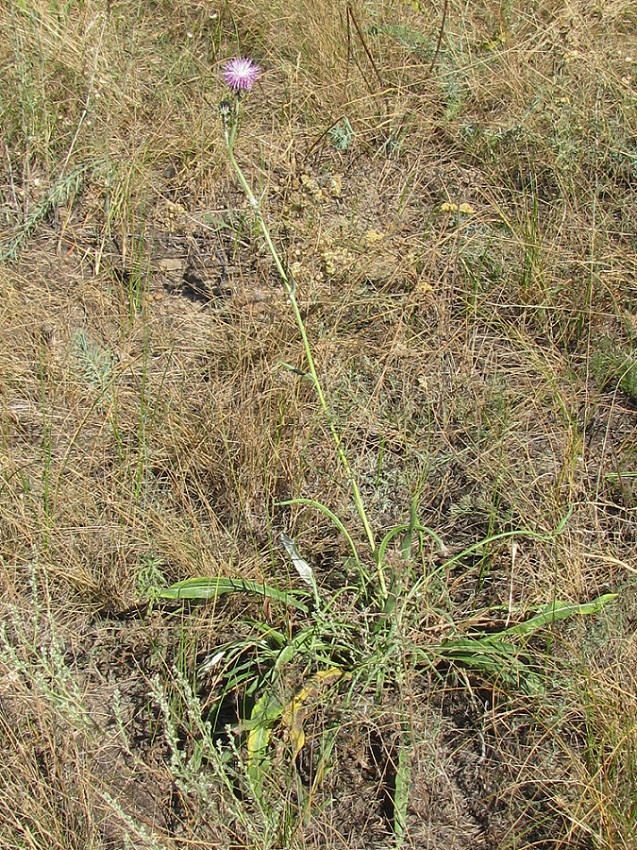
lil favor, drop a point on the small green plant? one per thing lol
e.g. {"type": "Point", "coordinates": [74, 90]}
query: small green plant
{"type": "Point", "coordinates": [342, 135]}
{"type": "Point", "coordinates": [62, 191]}
{"type": "Point", "coordinates": [150, 578]}
{"type": "Point", "coordinates": [94, 363]}
{"type": "Point", "coordinates": [31, 648]}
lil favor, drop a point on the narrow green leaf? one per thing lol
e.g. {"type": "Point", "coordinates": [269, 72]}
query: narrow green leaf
{"type": "Point", "coordinates": [401, 792]}
{"type": "Point", "coordinates": [211, 588]}
{"type": "Point", "coordinates": [495, 655]}
{"type": "Point", "coordinates": [312, 503]}
{"type": "Point", "coordinates": [556, 611]}
{"type": "Point", "coordinates": [266, 710]}
{"type": "Point", "coordinates": [497, 660]}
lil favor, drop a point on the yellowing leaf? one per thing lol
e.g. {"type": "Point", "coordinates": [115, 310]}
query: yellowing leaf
{"type": "Point", "coordinates": [291, 715]}
{"type": "Point", "coordinates": [266, 710]}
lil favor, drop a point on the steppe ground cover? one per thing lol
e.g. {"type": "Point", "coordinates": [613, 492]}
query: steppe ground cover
{"type": "Point", "coordinates": [452, 188]}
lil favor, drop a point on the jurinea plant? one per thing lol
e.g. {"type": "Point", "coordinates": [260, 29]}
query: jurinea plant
{"type": "Point", "coordinates": [330, 650]}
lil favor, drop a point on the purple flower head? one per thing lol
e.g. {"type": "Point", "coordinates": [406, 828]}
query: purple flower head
{"type": "Point", "coordinates": [241, 74]}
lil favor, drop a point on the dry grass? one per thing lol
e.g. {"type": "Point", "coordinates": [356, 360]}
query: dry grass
{"type": "Point", "coordinates": [479, 361]}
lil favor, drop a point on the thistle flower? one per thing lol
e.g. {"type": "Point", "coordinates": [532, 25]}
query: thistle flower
{"type": "Point", "coordinates": [241, 74]}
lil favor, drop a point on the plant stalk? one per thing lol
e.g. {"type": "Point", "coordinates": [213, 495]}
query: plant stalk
{"type": "Point", "coordinates": [290, 290]}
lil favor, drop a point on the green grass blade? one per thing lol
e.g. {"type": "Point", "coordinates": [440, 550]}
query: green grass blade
{"type": "Point", "coordinates": [494, 538]}
{"type": "Point", "coordinates": [406, 542]}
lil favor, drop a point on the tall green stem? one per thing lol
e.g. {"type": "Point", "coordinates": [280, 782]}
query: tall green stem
{"type": "Point", "coordinates": [291, 293]}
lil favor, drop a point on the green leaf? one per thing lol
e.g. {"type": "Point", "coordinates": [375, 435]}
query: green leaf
{"type": "Point", "coordinates": [211, 588]}
{"type": "Point", "coordinates": [497, 661]}
{"type": "Point", "coordinates": [319, 506]}
{"type": "Point", "coordinates": [556, 611]}
{"type": "Point", "coordinates": [497, 656]}
{"type": "Point", "coordinates": [266, 710]}
{"type": "Point", "coordinates": [401, 791]}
